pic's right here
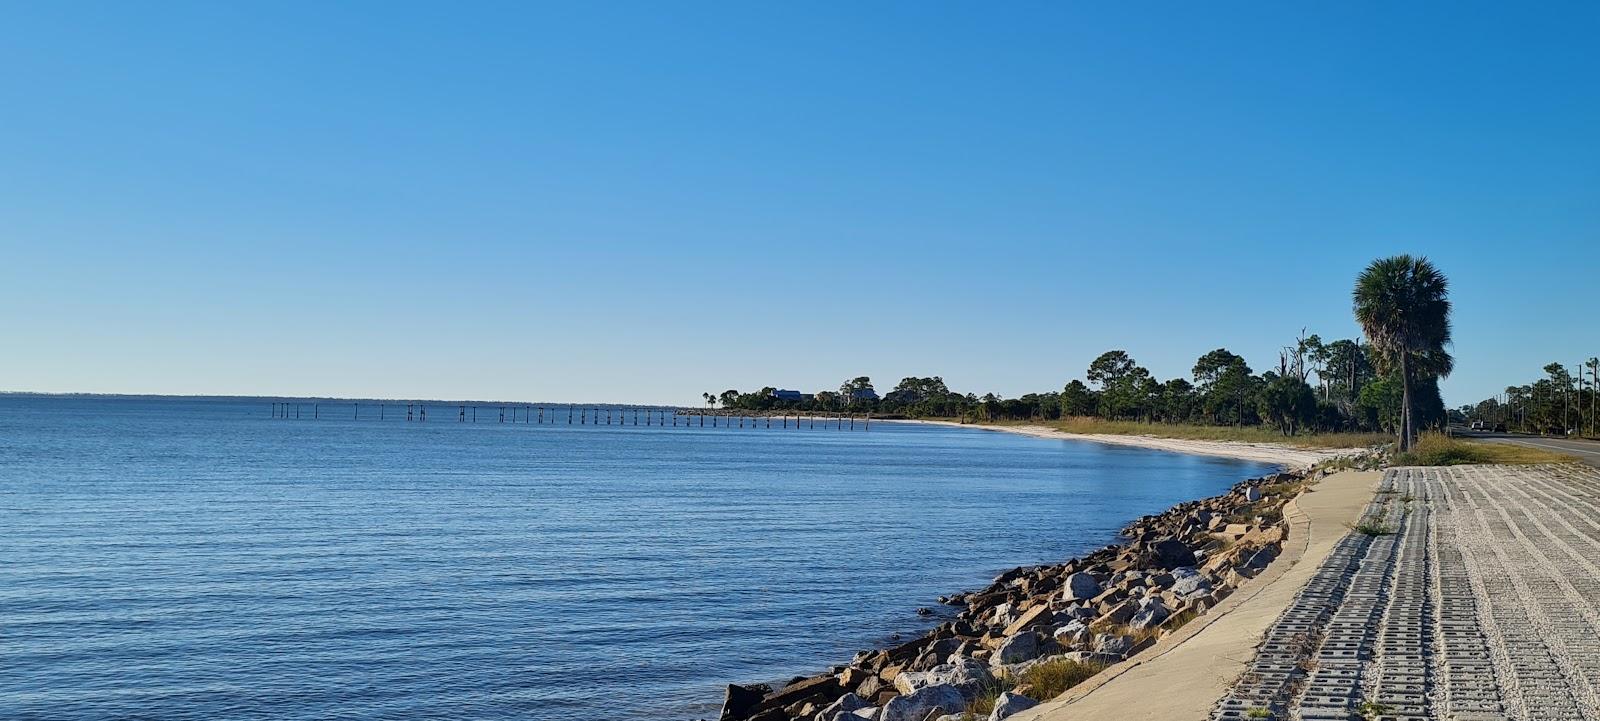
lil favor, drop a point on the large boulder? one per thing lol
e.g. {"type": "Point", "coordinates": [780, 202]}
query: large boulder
{"type": "Point", "coordinates": [964, 674]}
{"type": "Point", "coordinates": [821, 690]}
{"type": "Point", "coordinates": [926, 702]}
{"type": "Point", "coordinates": [1119, 614]}
{"type": "Point", "coordinates": [844, 709]}
{"type": "Point", "coordinates": [1252, 494]}
{"type": "Point", "coordinates": [1009, 703]}
{"type": "Point", "coordinates": [1072, 634]}
{"type": "Point", "coordinates": [739, 702]}
{"type": "Point", "coordinates": [1080, 586]}
{"type": "Point", "coordinates": [1172, 553]}
{"type": "Point", "coordinates": [1113, 644]}
{"type": "Point", "coordinates": [1038, 615]}
{"type": "Point", "coordinates": [1151, 613]}
{"type": "Point", "coordinates": [1188, 583]}
{"type": "Point", "coordinates": [1016, 648]}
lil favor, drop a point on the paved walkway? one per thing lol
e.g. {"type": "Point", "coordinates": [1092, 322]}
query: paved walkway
{"type": "Point", "coordinates": [1183, 676]}
{"type": "Point", "coordinates": [1475, 596]}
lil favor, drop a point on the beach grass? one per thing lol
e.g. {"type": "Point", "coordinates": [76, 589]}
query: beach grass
{"type": "Point", "coordinates": [1043, 681]}
{"type": "Point", "coordinates": [1437, 449]}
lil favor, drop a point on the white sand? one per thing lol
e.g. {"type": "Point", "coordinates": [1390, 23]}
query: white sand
{"type": "Point", "coordinates": [1284, 454]}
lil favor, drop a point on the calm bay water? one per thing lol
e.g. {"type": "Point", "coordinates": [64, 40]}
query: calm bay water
{"type": "Point", "coordinates": [194, 559]}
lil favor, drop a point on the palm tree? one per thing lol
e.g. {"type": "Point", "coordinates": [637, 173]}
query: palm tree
{"type": "Point", "coordinates": [1403, 307]}
{"type": "Point", "coordinates": [709, 399]}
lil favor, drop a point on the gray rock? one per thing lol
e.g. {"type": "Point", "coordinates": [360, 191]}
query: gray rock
{"type": "Point", "coordinates": [1073, 633]}
{"type": "Point", "coordinates": [869, 713]}
{"type": "Point", "coordinates": [1080, 586]}
{"type": "Point", "coordinates": [1010, 703]}
{"type": "Point", "coordinates": [1261, 558]}
{"type": "Point", "coordinates": [1187, 583]}
{"type": "Point", "coordinates": [1120, 613]}
{"type": "Point", "coordinates": [1077, 611]}
{"type": "Point", "coordinates": [739, 701]}
{"type": "Point", "coordinates": [1171, 553]}
{"type": "Point", "coordinates": [924, 703]}
{"type": "Point", "coordinates": [1112, 644]}
{"type": "Point", "coordinates": [842, 709]}
{"type": "Point", "coordinates": [1252, 494]}
{"type": "Point", "coordinates": [1151, 613]}
{"type": "Point", "coordinates": [964, 674]}
{"type": "Point", "coordinates": [1020, 646]}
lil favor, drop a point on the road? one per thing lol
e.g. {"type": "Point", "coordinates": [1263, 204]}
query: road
{"type": "Point", "coordinates": [1588, 451]}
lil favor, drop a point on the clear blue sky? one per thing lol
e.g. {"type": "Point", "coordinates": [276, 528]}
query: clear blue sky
{"type": "Point", "coordinates": [642, 201]}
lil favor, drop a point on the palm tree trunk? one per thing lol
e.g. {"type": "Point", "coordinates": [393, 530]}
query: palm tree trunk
{"type": "Point", "coordinates": [1407, 418]}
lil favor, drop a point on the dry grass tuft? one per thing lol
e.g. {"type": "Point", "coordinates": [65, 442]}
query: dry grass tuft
{"type": "Point", "coordinates": [1437, 449]}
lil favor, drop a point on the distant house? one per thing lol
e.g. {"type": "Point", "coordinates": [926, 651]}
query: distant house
{"type": "Point", "coordinates": [787, 395]}
{"type": "Point", "coordinates": [864, 394]}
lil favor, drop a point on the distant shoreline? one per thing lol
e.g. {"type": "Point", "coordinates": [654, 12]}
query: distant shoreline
{"type": "Point", "coordinates": [1286, 455]}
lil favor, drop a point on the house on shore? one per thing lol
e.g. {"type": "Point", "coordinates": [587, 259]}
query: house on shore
{"type": "Point", "coordinates": [787, 395]}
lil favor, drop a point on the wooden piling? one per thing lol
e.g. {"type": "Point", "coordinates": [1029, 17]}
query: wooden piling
{"type": "Point", "coordinates": [316, 411]}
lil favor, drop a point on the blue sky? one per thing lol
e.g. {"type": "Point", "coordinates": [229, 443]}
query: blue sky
{"type": "Point", "coordinates": [642, 201]}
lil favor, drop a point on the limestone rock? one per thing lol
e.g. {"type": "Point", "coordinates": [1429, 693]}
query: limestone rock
{"type": "Point", "coordinates": [1010, 703]}
{"type": "Point", "coordinates": [1080, 586]}
{"type": "Point", "coordinates": [1112, 644]}
{"type": "Point", "coordinates": [963, 674]}
{"type": "Point", "coordinates": [1072, 634]}
{"type": "Point", "coordinates": [843, 709]}
{"type": "Point", "coordinates": [924, 703]}
{"type": "Point", "coordinates": [739, 702]}
{"type": "Point", "coordinates": [1119, 614]}
{"type": "Point", "coordinates": [1172, 553]}
{"type": "Point", "coordinates": [1017, 647]}
{"type": "Point", "coordinates": [1035, 616]}
{"type": "Point", "coordinates": [1187, 583]}
{"type": "Point", "coordinates": [1151, 613]}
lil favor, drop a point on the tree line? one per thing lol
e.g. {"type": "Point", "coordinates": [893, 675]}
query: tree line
{"type": "Point", "coordinates": [1315, 386]}
{"type": "Point", "coordinates": [1563, 402]}
{"type": "Point", "coordinates": [1386, 382]}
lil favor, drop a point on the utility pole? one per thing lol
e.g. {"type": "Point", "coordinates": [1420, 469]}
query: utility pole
{"type": "Point", "coordinates": [1594, 390]}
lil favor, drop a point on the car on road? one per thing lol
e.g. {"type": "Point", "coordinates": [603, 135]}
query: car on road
{"type": "Point", "coordinates": [1477, 425]}
{"type": "Point", "coordinates": [1499, 428]}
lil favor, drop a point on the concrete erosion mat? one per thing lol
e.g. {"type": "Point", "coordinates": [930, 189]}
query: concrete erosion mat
{"type": "Point", "coordinates": [1468, 593]}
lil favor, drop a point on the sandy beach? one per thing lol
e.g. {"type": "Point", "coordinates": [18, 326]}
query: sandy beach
{"type": "Point", "coordinates": [1285, 454]}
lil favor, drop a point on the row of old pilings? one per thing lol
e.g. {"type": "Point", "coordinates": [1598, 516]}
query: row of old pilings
{"type": "Point", "coordinates": [591, 415]}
